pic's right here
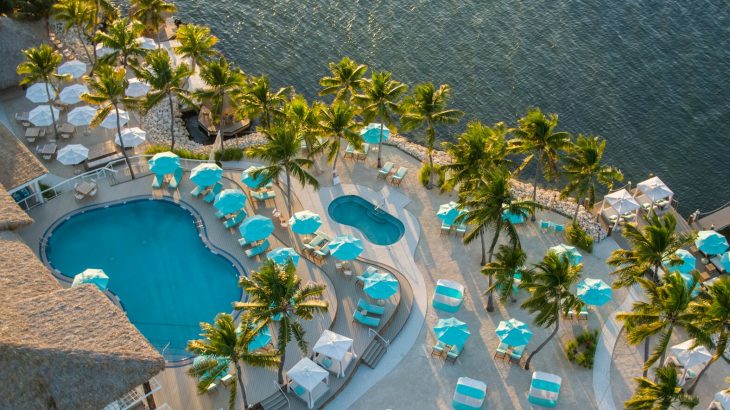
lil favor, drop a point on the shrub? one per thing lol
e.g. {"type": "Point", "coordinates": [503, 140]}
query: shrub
{"type": "Point", "coordinates": [425, 172]}
{"type": "Point", "coordinates": [181, 152]}
{"type": "Point", "coordinates": [229, 154]}
{"type": "Point", "coordinates": [44, 189]}
{"type": "Point", "coordinates": [582, 349]}
{"type": "Point", "coordinates": [576, 236]}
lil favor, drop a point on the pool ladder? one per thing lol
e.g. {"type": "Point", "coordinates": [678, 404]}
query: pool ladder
{"type": "Point", "coordinates": [379, 205]}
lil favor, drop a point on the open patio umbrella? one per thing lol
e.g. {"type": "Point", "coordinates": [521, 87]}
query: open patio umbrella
{"type": "Point", "coordinates": [570, 251]}
{"type": "Point", "coordinates": [513, 218]}
{"type": "Point", "coordinates": [448, 212]}
{"type": "Point", "coordinates": [688, 357]}
{"type": "Point", "coordinates": [710, 242]}
{"type": "Point", "coordinates": [681, 261]}
{"type": "Point", "coordinates": [248, 179]}
{"type": "Point", "coordinates": [131, 137]}
{"type": "Point", "coordinates": [452, 331]}
{"type": "Point", "coordinates": [72, 93]}
{"type": "Point", "coordinates": [102, 50]}
{"type": "Point", "coordinates": [37, 92]}
{"type": "Point", "coordinates": [345, 247]}
{"type": "Point", "coordinates": [380, 285]}
{"type": "Point", "coordinates": [136, 88]}
{"type": "Point", "coordinates": [220, 368]}
{"type": "Point", "coordinates": [93, 276]}
{"type": "Point", "coordinates": [513, 332]}
{"type": "Point", "coordinates": [305, 222]}
{"type": "Point", "coordinates": [725, 263]}
{"type": "Point", "coordinates": [164, 163]}
{"type": "Point", "coordinates": [40, 116]}
{"type": "Point", "coordinates": [110, 122]}
{"type": "Point", "coordinates": [256, 228]}
{"type": "Point", "coordinates": [81, 115]}
{"type": "Point", "coordinates": [594, 292]}
{"type": "Point", "coordinates": [72, 154]}
{"type": "Point", "coordinates": [371, 133]}
{"type": "Point", "coordinates": [229, 201]}
{"type": "Point", "coordinates": [206, 174]}
{"type": "Point", "coordinates": [147, 43]}
{"type": "Point", "coordinates": [655, 189]}
{"type": "Point", "coordinates": [282, 256]}
{"type": "Point", "coordinates": [74, 68]}
{"type": "Point", "coordinates": [622, 201]}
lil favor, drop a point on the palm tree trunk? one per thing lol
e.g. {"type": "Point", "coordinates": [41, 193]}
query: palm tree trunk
{"type": "Point", "coordinates": [484, 251]}
{"type": "Point", "coordinates": [172, 122]}
{"type": "Point", "coordinates": [430, 137]}
{"type": "Point", "coordinates": [646, 355]}
{"type": "Point", "coordinates": [337, 156]}
{"type": "Point", "coordinates": [490, 301]}
{"type": "Point", "coordinates": [282, 356]}
{"type": "Point", "coordinates": [241, 386]}
{"type": "Point", "coordinates": [81, 40]}
{"type": "Point", "coordinates": [664, 353]}
{"type": "Point", "coordinates": [50, 105]}
{"type": "Point", "coordinates": [288, 192]}
{"type": "Point", "coordinates": [555, 331]}
{"type": "Point", "coordinates": [220, 121]}
{"type": "Point", "coordinates": [577, 209]}
{"type": "Point", "coordinates": [380, 143]}
{"type": "Point", "coordinates": [121, 142]}
{"type": "Point", "coordinates": [692, 386]}
{"type": "Point", "coordinates": [534, 184]}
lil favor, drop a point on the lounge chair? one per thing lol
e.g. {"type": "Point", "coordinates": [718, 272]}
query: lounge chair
{"type": "Point", "coordinates": [544, 389]}
{"type": "Point", "coordinates": [545, 225]}
{"type": "Point", "coordinates": [448, 296]}
{"type": "Point", "coordinates": [397, 178]}
{"type": "Point", "coordinates": [258, 250]}
{"type": "Point", "coordinates": [454, 353]}
{"type": "Point", "coordinates": [469, 394]}
{"type": "Point", "coordinates": [501, 351]}
{"type": "Point", "coordinates": [370, 271]}
{"type": "Point", "coordinates": [385, 170]}
{"type": "Point", "coordinates": [461, 229]}
{"type": "Point", "coordinates": [227, 380]}
{"type": "Point", "coordinates": [516, 353]}
{"type": "Point", "coordinates": [583, 314]}
{"type": "Point", "coordinates": [197, 191]}
{"type": "Point", "coordinates": [244, 242]}
{"type": "Point", "coordinates": [212, 388]}
{"type": "Point", "coordinates": [559, 227]}
{"type": "Point", "coordinates": [176, 178]}
{"type": "Point", "coordinates": [361, 155]}
{"type": "Point", "coordinates": [445, 229]}
{"type": "Point", "coordinates": [371, 309]}
{"type": "Point", "coordinates": [322, 252]}
{"type": "Point", "coordinates": [230, 223]}
{"type": "Point", "coordinates": [213, 192]}
{"type": "Point", "coordinates": [349, 151]}
{"type": "Point", "coordinates": [438, 349]}
{"type": "Point", "coordinates": [366, 320]}
{"type": "Point", "coordinates": [157, 181]}
{"type": "Point", "coordinates": [314, 244]}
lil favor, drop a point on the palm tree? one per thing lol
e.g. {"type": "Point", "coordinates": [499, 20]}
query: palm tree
{"type": "Point", "coordinates": [106, 89]}
{"type": "Point", "coordinates": [196, 43]}
{"type": "Point", "coordinates": [121, 36]}
{"type": "Point", "coordinates": [501, 272]}
{"type": "Point", "coordinates": [663, 394]}
{"type": "Point", "coordinates": [537, 138]}
{"type": "Point", "coordinates": [346, 79]}
{"type": "Point", "coordinates": [304, 119]}
{"type": "Point", "coordinates": [222, 340]}
{"type": "Point", "coordinates": [276, 293]}
{"type": "Point", "coordinates": [151, 13]}
{"type": "Point", "coordinates": [584, 170]}
{"type": "Point", "coordinates": [712, 312]}
{"type": "Point", "coordinates": [280, 151]}
{"type": "Point", "coordinates": [338, 122]}
{"type": "Point", "coordinates": [166, 81]}
{"type": "Point", "coordinates": [40, 65]}
{"type": "Point", "coordinates": [550, 283]}
{"type": "Point", "coordinates": [427, 107]}
{"type": "Point", "coordinates": [380, 99]}
{"type": "Point", "coordinates": [656, 242]}
{"type": "Point", "coordinates": [221, 80]}
{"type": "Point", "coordinates": [258, 100]}
{"type": "Point", "coordinates": [76, 14]}
{"type": "Point", "coordinates": [665, 308]}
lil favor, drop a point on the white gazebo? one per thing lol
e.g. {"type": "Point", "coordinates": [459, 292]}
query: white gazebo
{"type": "Point", "coordinates": [691, 360]}
{"type": "Point", "coordinates": [655, 191]}
{"type": "Point", "coordinates": [721, 401]}
{"type": "Point", "coordinates": [308, 381]}
{"type": "Point", "coordinates": [334, 352]}
{"type": "Point", "coordinates": [622, 203]}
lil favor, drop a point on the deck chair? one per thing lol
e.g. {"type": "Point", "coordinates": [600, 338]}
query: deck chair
{"type": "Point", "coordinates": [454, 353]}
{"type": "Point", "coordinates": [559, 227]}
{"type": "Point", "coordinates": [365, 320]}
{"type": "Point", "coordinates": [176, 178]}
{"type": "Point", "coordinates": [469, 394]}
{"type": "Point", "coordinates": [501, 351]}
{"type": "Point", "coordinates": [259, 249]}
{"type": "Point", "coordinates": [157, 180]}
{"type": "Point", "coordinates": [371, 309]}
{"type": "Point", "coordinates": [445, 229]}
{"type": "Point", "coordinates": [349, 151]}
{"type": "Point", "coordinates": [322, 252]}
{"type": "Point", "coordinates": [385, 170]}
{"type": "Point", "coordinates": [461, 229]}
{"type": "Point", "coordinates": [197, 191]}
{"type": "Point", "coordinates": [230, 223]}
{"type": "Point", "coordinates": [545, 225]}
{"type": "Point", "coordinates": [516, 353]}
{"type": "Point", "coordinates": [397, 178]}
{"type": "Point", "coordinates": [583, 314]}
{"type": "Point", "coordinates": [213, 192]}
{"type": "Point", "coordinates": [544, 389]}
{"type": "Point", "coordinates": [314, 244]}
{"type": "Point", "coordinates": [370, 271]}
{"type": "Point", "coordinates": [438, 349]}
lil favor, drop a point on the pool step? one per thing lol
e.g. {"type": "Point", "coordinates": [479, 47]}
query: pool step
{"type": "Point", "coordinates": [374, 352]}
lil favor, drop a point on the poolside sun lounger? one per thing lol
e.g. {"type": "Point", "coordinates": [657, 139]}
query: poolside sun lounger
{"type": "Point", "coordinates": [176, 178]}
{"type": "Point", "coordinates": [448, 295]}
{"type": "Point", "coordinates": [227, 380]}
{"type": "Point", "coordinates": [583, 314]}
{"type": "Point", "coordinates": [230, 223]}
{"type": "Point", "coordinates": [349, 151]}
{"type": "Point", "coordinates": [461, 229]}
{"type": "Point", "coordinates": [197, 191]}
{"type": "Point", "coordinates": [365, 320]}
{"type": "Point", "coordinates": [559, 227]}
{"type": "Point", "coordinates": [370, 271]}
{"type": "Point", "coordinates": [213, 192]}
{"type": "Point", "coordinates": [544, 389]}
{"type": "Point", "coordinates": [454, 353]}
{"type": "Point", "coordinates": [501, 351]}
{"type": "Point", "coordinates": [361, 155]}
{"type": "Point", "coordinates": [322, 252]}
{"type": "Point", "coordinates": [315, 243]}
{"type": "Point", "coordinates": [212, 388]}
{"type": "Point", "coordinates": [397, 178]}
{"type": "Point", "coordinates": [516, 353]}
{"type": "Point", "coordinates": [385, 170]}
{"type": "Point", "coordinates": [545, 225]}
{"type": "Point", "coordinates": [445, 229]}
{"type": "Point", "coordinates": [469, 394]}
{"type": "Point", "coordinates": [371, 309]}
{"type": "Point", "coordinates": [157, 181]}
{"type": "Point", "coordinates": [438, 349]}
{"type": "Point", "coordinates": [259, 249]}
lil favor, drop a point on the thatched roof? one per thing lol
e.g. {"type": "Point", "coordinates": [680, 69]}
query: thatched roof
{"type": "Point", "coordinates": [17, 164]}
{"type": "Point", "coordinates": [11, 216]}
{"type": "Point", "coordinates": [16, 36]}
{"type": "Point", "coordinates": [72, 348]}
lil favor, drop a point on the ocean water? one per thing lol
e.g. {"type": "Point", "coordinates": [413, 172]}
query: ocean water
{"type": "Point", "coordinates": [650, 76]}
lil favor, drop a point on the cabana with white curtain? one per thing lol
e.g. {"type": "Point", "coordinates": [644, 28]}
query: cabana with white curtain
{"type": "Point", "coordinates": [653, 193]}
{"type": "Point", "coordinates": [334, 352]}
{"type": "Point", "coordinates": [688, 360]}
{"type": "Point", "coordinates": [621, 205]}
{"type": "Point", "coordinates": [721, 402]}
{"type": "Point", "coordinates": [308, 381]}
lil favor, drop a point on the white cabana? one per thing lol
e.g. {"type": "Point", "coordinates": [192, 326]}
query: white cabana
{"type": "Point", "coordinates": [655, 191]}
{"type": "Point", "coordinates": [136, 88]}
{"type": "Point", "coordinates": [622, 203]}
{"type": "Point", "coordinates": [334, 352]}
{"type": "Point", "coordinates": [308, 381]}
{"type": "Point", "coordinates": [110, 122]}
{"type": "Point", "coordinates": [72, 154]}
{"type": "Point", "coordinates": [72, 93]}
{"type": "Point", "coordinates": [40, 116]}
{"type": "Point", "coordinates": [37, 92]}
{"type": "Point", "coordinates": [131, 137]}
{"type": "Point", "coordinates": [74, 68]}
{"type": "Point", "coordinates": [691, 360]}
{"type": "Point", "coordinates": [721, 401]}
{"type": "Point", "coordinates": [147, 43]}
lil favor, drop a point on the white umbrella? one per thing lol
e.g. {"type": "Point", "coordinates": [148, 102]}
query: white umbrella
{"type": "Point", "coordinates": [81, 115]}
{"type": "Point", "coordinates": [72, 93]}
{"type": "Point", "coordinates": [72, 154]}
{"type": "Point", "coordinates": [110, 122]}
{"type": "Point", "coordinates": [102, 50]}
{"type": "Point", "coordinates": [690, 357]}
{"type": "Point", "coordinates": [131, 137]}
{"type": "Point", "coordinates": [75, 68]}
{"type": "Point", "coordinates": [622, 201]}
{"type": "Point", "coordinates": [723, 398]}
{"type": "Point", "coordinates": [655, 189]}
{"type": "Point", "coordinates": [147, 43]}
{"type": "Point", "coordinates": [136, 88]}
{"type": "Point", "coordinates": [37, 92]}
{"type": "Point", "coordinates": [40, 116]}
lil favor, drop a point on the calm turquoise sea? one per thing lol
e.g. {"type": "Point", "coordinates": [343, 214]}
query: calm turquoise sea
{"type": "Point", "coordinates": [650, 76]}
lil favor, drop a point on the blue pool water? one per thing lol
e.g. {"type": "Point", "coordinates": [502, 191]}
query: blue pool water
{"type": "Point", "coordinates": [166, 279]}
{"type": "Point", "coordinates": [379, 227]}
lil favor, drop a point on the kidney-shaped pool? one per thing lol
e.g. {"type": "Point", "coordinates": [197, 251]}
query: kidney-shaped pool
{"type": "Point", "coordinates": [378, 226]}
{"type": "Point", "coordinates": [165, 277]}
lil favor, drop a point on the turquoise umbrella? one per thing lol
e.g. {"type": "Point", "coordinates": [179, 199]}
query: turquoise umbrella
{"type": "Point", "coordinates": [513, 218]}
{"type": "Point", "coordinates": [681, 261]}
{"type": "Point", "coordinates": [256, 228]}
{"type": "Point", "coordinates": [229, 201]}
{"type": "Point", "coordinates": [281, 256]}
{"type": "Point", "coordinates": [305, 222]}
{"type": "Point", "coordinates": [711, 242]}
{"type": "Point", "coordinates": [248, 179]}
{"type": "Point", "coordinates": [513, 332]}
{"type": "Point", "coordinates": [448, 213]}
{"type": "Point", "coordinates": [371, 133]}
{"type": "Point", "coordinates": [380, 285]}
{"type": "Point", "coordinates": [570, 251]}
{"type": "Point", "coordinates": [725, 261]}
{"type": "Point", "coordinates": [206, 174]}
{"type": "Point", "coordinates": [94, 276]}
{"type": "Point", "coordinates": [261, 339]}
{"type": "Point", "coordinates": [594, 292]}
{"type": "Point", "coordinates": [452, 331]}
{"type": "Point", "coordinates": [220, 369]}
{"type": "Point", "coordinates": [164, 163]}
{"type": "Point", "coordinates": [345, 247]}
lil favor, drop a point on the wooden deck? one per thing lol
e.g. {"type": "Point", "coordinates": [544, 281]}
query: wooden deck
{"type": "Point", "coordinates": [719, 219]}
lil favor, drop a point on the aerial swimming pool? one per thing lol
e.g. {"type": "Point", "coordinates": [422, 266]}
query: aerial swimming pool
{"type": "Point", "coordinates": [166, 278]}
{"type": "Point", "coordinates": [378, 226]}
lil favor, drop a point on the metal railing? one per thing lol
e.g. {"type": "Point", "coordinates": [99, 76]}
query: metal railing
{"type": "Point", "coordinates": [278, 387]}
{"type": "Point", "coordinates": [377, 335]}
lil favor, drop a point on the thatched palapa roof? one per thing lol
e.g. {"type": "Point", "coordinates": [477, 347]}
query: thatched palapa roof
{"type": "Point", "coordinates": [11, 216]}
{"type": "Point", "coordinates": [22, 275]}
{"type": "Point", "coordinates": [17, 164]}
